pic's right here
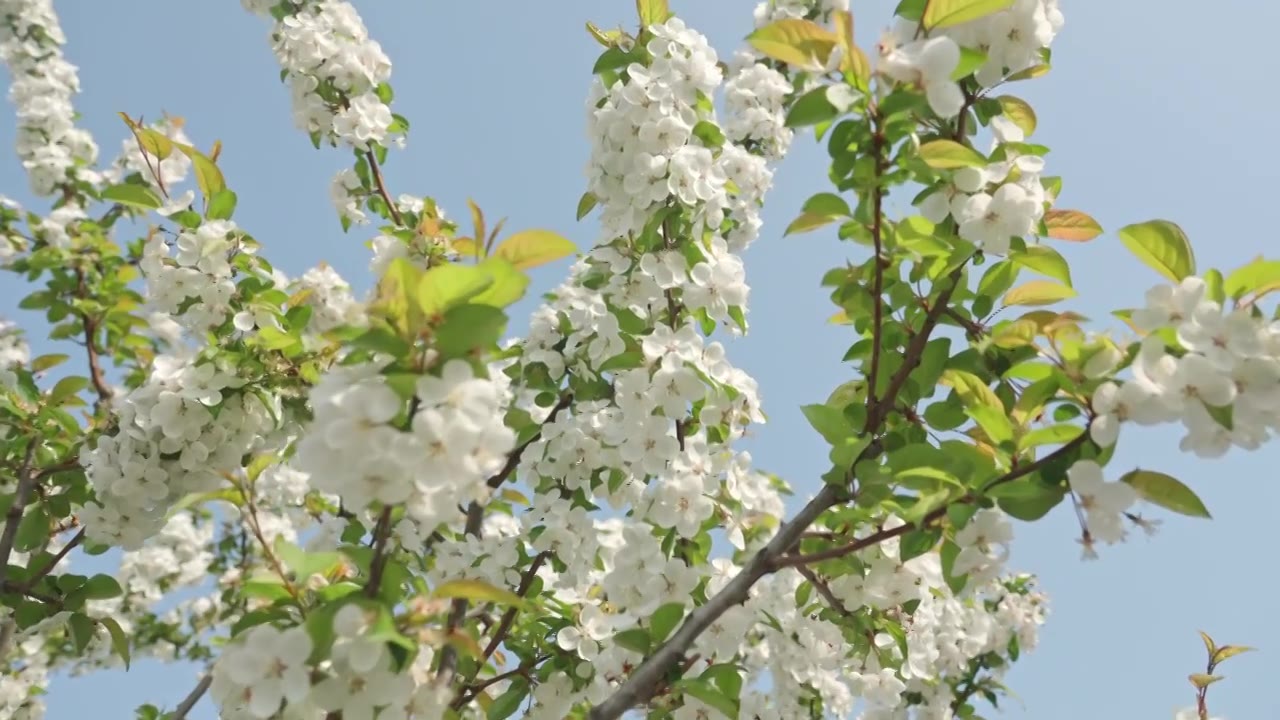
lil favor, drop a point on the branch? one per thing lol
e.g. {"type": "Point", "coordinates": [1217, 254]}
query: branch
{"type": "Point", "coordinates": [96, 376]}
{"type": "Point", "coordinates": [877, 282]}
{"type": "Point", "coordinates": [504, 626]}
{"type": "Point", "coordinates": [458, 611]}
{"type": "Point", "coordinates": [523, 670]}
{"type": "Point", "coordinates": [513, 458]}
{"type": "Point", "coordinates": [382, 187]}
{"type": "Point", "coordinates": [823, 589]}
{"type": "Point", "coordinates": [192, 698]}
{"type": "Point", "coordinates": [26, 482]}
{"type": "Point", "coordinates": [378, 564]}
{"type": "Point", "coordinates": [35, 578]}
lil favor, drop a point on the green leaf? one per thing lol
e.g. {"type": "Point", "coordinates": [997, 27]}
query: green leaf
{"type": "Point", "coordinates": [709, 133]}
{"type": "Point", "coordinates": [67, 387]}
{"type": "Point", "coordinates": [304, 564]}
{"type": "Point", "coordinates": [446, 286]}
{"type": "Point", "coordinates": [1163, 246]}
{"type": "Point", "coordinates": [830, 422]}
{"type": "Point", "coordinates": [531, 248]}
{"type": "Point", "coordinates": [1044, 260]}
{"type": "Point", "coordinates": [1214, 286]}
{"type": "Point", "coordinates": [1021, 113]}
{"type": "Point", "coordinates": [44, 362]}
{"type": "Point", "coordinates": [635, 640]}
{"type": "Point", "coordinates": [102, 587]}
{"type": "Point", "coordinates": [811, 108]}
{"type": "Point", "coordinates": [1258, 276]}
{"type": "Point", "coordinates": [726, 677]}
{"type": "Point", "coordinates": [1167, 492]}
{"type": "Point", "coordinates": [586, 204]}
{"type": "Point", "coordinates": [119, 641]}
{"type": "Point", "coordinates": [1203, 680]}
{"type": "Point", "coordinates": [652, 12]}
{"type": "Point", "coordinates": [1052, 435]}
{"type": "Point", "coordinates": [469, 327]}
{"type": "Point", "coordinates": [395, 296]}
{"type": "Point", "coordinates": [221, 206]}
{"type": "Point", "coordinates": [1208, 643]}
{"type": "Point", "coordinates": [508, 285]}
{"type": "Point", "coordinates": [133, 195]}
{"type": "Point", "coordinates": [946, 13]}
{"type": "Point", "coordinates": [918, 542]}
{"type": "Point", "coordinates": [707, 693]}
{"type": "Point", "coordinates": [1027, 500]}
{"type": "Point", "coordinates": [1038, 292]}
{"type": "Point", "coordinates": [82, 628]}
{"type": "Point", "coordinates": [208, 176]}
{"type": "Point", "coordinates": [949, 155]}
{"type": "Point", "coordinates": [477, 590]}
{"type": "Point", "coordinates": [970, 60]}
{"type": "Point", "coordinates": [806, 222]}
{"type": "Point", "coordinates": [802, 43]}
{"type": "Point", "coordinates": [664, 620]}
{"type": "Point", "coordinates": [827, 204]}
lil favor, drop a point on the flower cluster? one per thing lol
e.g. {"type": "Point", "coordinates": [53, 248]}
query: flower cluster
{"type": "Point", "coordinates": [181, 432]}
{"type": "Point", "coordinates": [333, 69]}
{"type": "Point", "coordinates": [456, 440]}
{"type": "Point", "coordinates": [13, 351]}
{"type": "Point", "coordinates": [1201, 364]}
{"type": "Point", "coordinates": [53, 150]}
{"type": "Point", "coordinates": [191, 279]}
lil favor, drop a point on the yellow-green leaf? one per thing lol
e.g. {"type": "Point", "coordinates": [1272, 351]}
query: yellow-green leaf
{"type": "Point", "coordinates": [1203, 680]}
{"type": "Point", "coordinates": [1034, 71]}
{"type": "Point", "coordinates": [1017, 110]}
{"type": "Point", "coordinates": [808, 221]}
{"type": "Point", "coordinates": [853, 61]}
{"type": "Point", "coordinates": [466, 247]}
{"type": "Point", "coordinates": [1038, 292]}
{"type": "Point", "coordinates": [477, 221]}
{"type": "Point", "coordinates": [802, 43]}
{"type": "Point", "coordinates": [151, 142]}
{"type": "Point", "coordinates": [508, 285]}
{"type": "Point", "coordinates": [445, 286]}
{"type": "Point", "coordinates": [1230, 651]}
{"type": "Point", "coordinates": [1162, 245]}
{"type": "Point", "coordinates": [586, 203]}
{"type": "Point", "coordinates": [652, 12]}
{"type": "Point", "coordinates": [1016, 334]}
{"type": "Point", "coordinates": [949, 155]}
{"type": "Point", "coordinates": [946, 13]}
{"type": "Point", "coordinates": [1258, 276]}
{"type": "Point", "coordinates": [1208, 643]}
{"type": "Point", "coordinates": [208, 176]}
{"type": "Point", "coordinates": [119, 641]}
{"type": "Point", "coordinates": [1071, 225]}
{"type": "Point", "coordinates": [1052, 435]}
{"type": "Point", "coordinates": [1167, 492]}
{"type": "Point", "coordinates": [971, 389]}
{"type": "Point", "coordinates": [531, 248]}
{"type": "Point", "coordinates": [1044, 260]}
{"type": "Point", "coordinates": [394, 296]}
{"type": "Point", "coordinates": [477, 590]}
{"type": "Point", "coordinates": [607, 38]}
{"type": "Point", "coordinates": [133, 195]}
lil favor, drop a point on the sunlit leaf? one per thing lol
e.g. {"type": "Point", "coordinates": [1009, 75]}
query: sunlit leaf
{"type": "Point", "coordinates": [1162, 245]}
{"type": "Point", "coordinates": [949, 154]}
{"type": "Point", "coordinates": [802, 43]}
{"type": "Point", "coordinates": [1167, 492]}
{"type": "Point", "coordinates": [1038, 292]}
{"type": "Point", "coordinates": [531, 248]}
{"type": "Point", "coordinates": [1071, 225]}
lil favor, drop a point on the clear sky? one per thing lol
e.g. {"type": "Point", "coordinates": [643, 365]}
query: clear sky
{"type": "Point", "coordinates": [1156, 109]}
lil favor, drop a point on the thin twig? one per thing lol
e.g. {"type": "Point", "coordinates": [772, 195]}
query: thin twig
{"type": "Point", "coordinates": [513, 458]}
{"type": "Point", "coordinates": [382, 187]}
{"type": "Point", "coordinates": [35, 578]}
{"type": "Point", "coordinates": [877, 279]}
{"type": "Point", "coordinates": [381, 532]}
{"type": "Point", "coordinates": [522, 670]}
{"type": "Point", "coordinates": [823, 589]}
{"type": "Point", "coordinates": [504, 625]}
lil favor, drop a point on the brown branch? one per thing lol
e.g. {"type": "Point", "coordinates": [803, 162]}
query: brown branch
{"type": "Point", "coordinates": [382, 188]}
{"type": "Point", "coordinates": [823, 589]}
{"type": "Point", "coordinates": [513, 458]}
{"type": "Point", "coordinates": [877, 280]}
{"type": "Point", "coordinates": [522, 671]}
{"type": "Point", "coordinates": [35, 578]}
{"type": "Point", "coordinates": [381, 532]}
{"type": "Point", "coordinates": [504, 626]}
{"type": "Point", "coordinates": [26, 482]}
{"type": "Point", "coordinates": [96, 376]}
{"type": "Point", "coordinates": [192, 698]}
{"type": "Point", "coordinates": [458, 610]}
{"type": "Point", "coordinates": [973, 329]}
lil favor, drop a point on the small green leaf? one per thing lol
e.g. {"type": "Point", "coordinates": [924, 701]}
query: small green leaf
{"type": "Point", "coordinates": [947, 13]}
{"type": "Point", "coordinates": [44, 362]}
{"type": "Point", "coordinates": [918, 542]}
{"type": "Point", "coordinates": [652, 12]}
{"type": "Point", "coordinates": [635, 640]}
{"type": "Point", "coordinates": [829, 422]}
{"type": "Point", "coordinates": [810, 109]}
{"type": "Point", "coordinates": [664, 620]}
{"type": "Point", "coordinates": [509, 284]}
{"type": "Point", "coordinates": [208, 177]}
{"type": "Point", "coordinates": [586, 204]}
{"type": "Point", "coordinates": [506, 704]}
{"type": "Point", "coordinates": [827, 204]}
{"type": "Point", "coordinates": [119, 641]}
{"type": "Point", "coordinates": [709, 133]}
{"type": "Point", "coordinates": [1044, 260]}
{"type": "Point", "coordinates": [67, 387]}
{"type": "Point", "coordinates": [1167, 492]}
{"type": "Point", "coordinates": [82, 629]}
{"type": "Point", "coordinates": [1230, 651]}
{"type": "Point", "coordinates": [709, 694]}
{"type": "Point", "coordinates": [806, 222]}
{"type": "Point", "coordinates": [949, 155]}
{"type": "Point", "coordinates": [1203, 680]}
{"type": "Point", "coordinates": [1208, 643]}
{"type": "Point", "coordinates": [1052, 435]}
{"type": "Point", "coordinates": [102, 587]}
{"type": "Point", "coordinates": [1163, 246]}
{"type": "Point", "coordinates": [469, 327]}
{"type": "Point", "coordinates": [446, 286]}
{"type": "Point", "coordinates": [133, 195]}
{"type": "Point", "coordinates": [222, 205]}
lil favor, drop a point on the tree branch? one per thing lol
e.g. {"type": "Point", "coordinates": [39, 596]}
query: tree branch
{"type": "Point", "coordinates": [877, 281]}
{"type": "Point", "coordinates": [381, 532]}
{"type": "Point", "coordinates": [382, 188]}
{"type": "Point", "coordinates": [35, 578]}
{"type": "Point", "coordinates": [26, 482]}
{"type": "Point", "coordinates": [513, 458]}
{"type": "Point", "coordinates": [458, 610]}
{"type": "Point", "coordinates": [192, 698]}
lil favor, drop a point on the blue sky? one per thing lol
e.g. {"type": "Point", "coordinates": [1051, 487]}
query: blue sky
{"type": "Point", "coordinates": [1152, 111]}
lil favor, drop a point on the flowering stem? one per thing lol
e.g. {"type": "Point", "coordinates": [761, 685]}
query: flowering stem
{"type": "Point", "coordinates": [382, 187]}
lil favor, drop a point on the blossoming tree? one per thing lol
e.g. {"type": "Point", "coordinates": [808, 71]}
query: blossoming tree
{"type": "Point", "coordinates": [386, 508]}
